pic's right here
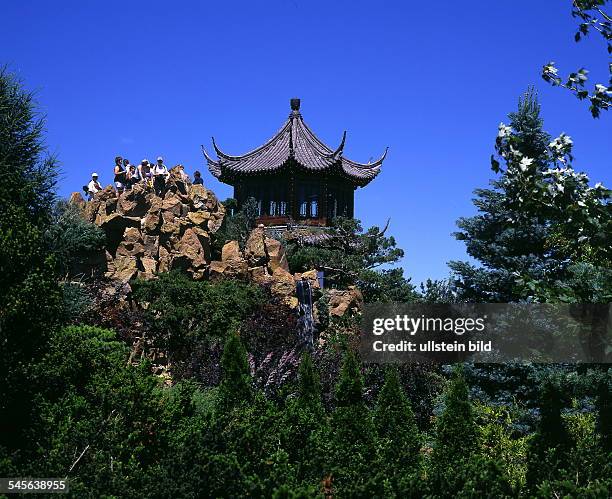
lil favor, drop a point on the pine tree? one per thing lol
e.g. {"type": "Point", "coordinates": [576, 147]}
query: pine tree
{"type": "Point", "coordinates": [550, 444]}
{"type": "Point", "coordinates": [352, 443]}
{"type": "Point", "coordinates": [235, 387]}
{"type": "Point", "coordinates": [455, 435]}
{"type": "Point", "coordinates": [505, 237]}
{"type": "Point", "coordinates": [309, 385]}
{"type": "Point", "coordinates": [541, 228]}
{"type": "Point", "coordinates": [396, 426]}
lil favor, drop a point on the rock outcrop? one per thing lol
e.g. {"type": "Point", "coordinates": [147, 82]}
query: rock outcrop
{"type": "Point", "coordinates": [342, 301]}
{"type": "Point", "coordinates": [148, 234]}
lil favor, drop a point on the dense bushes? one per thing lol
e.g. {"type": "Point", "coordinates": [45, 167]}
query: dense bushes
{"type": "Point", "coordinates": [183, 312]}
{"type": "Point", "coordinates": [113, 429]}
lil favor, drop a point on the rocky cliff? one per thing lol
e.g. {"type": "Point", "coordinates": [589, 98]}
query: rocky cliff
{"type": "Point", "coordinates": [147, 234]}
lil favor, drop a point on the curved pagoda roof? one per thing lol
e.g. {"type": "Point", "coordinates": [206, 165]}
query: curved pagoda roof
{"type": "Point", "coordinates": [293, 145]}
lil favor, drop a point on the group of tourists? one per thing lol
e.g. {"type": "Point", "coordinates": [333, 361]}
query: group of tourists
{"type": "Point", "coordinates": [127, 175]}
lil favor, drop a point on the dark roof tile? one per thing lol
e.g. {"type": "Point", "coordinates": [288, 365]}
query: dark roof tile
{"type": "Point", "coordinates": [294, 140]}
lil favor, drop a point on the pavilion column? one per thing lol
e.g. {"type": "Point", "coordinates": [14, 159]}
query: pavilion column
{"type": "Point", "coordinates": [292, 198]}
{"type": "Point", "coordinates": [323, 201]}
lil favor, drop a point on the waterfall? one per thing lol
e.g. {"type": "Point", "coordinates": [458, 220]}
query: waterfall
{"type": "Point", "coordinates": [305, 324]}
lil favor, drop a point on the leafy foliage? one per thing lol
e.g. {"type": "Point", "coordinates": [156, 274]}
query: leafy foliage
{"type": "Point", "coordinates": [183, 312]}
{"type": "Point", "coordinates": [351, 256]}
{"type": "Point", "coordinates": [592, 18]}
{"type": "Point", "coordinates": [72, 239]}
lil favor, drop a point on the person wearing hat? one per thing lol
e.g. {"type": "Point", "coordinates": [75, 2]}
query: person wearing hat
{"type": "Point", "coordinates": [93, 186]}
{"type": "Point", "coordinates": [160, 175]}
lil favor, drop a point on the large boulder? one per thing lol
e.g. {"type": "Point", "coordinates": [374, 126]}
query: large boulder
{"type": "Point", "coordinates": [342, 301]}
{"type": "Point", "coordinates": [231, 256]}
{"type": "Point", "coordinates": [276, 255]}
{"type": "Point", "coordinates": [123, 268]}
{"type": "Point", "coordinates": [255, 248]}
{"type": "Point", "coordinates": [283, 286]}
{"type": "Point", "coordinates": [190, 248]}
{"type": "Point", "coordinates": [134, 202]}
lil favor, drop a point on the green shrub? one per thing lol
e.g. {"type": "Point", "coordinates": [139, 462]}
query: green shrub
{"type": "Point", "coordinates": [455, 430]}
{"type": "Point", "coordinates": [183, 312]}
{"type": "Point", "coordinates": [399, 439]}
{"type": "Point", "coordinates": [74, 241]}
{"type": "Point", "coordinates": [549, 446]}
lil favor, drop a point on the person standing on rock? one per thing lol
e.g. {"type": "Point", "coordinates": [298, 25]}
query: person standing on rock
{"type": "Point", "coordinates": [144, 171]}
{"type": "Point", "coordinates": [160, 175]}
{"type": "Point", "coordinates": [93, 186]}
{"type": "Point", "coordinates": [133, 177]}
{"type": "Point", "coordinates": [197, 178]}
{"type": "Point", "coordinates": [120, 174]}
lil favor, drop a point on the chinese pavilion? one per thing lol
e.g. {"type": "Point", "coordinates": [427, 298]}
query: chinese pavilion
{"type": "Point", "coordinates": [294, 177]}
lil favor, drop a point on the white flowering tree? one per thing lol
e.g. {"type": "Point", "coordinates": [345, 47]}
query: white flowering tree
{"type": "Point", "coordinates": [540, 219]}
{"type": "Point", "coordinates": [592, 18]}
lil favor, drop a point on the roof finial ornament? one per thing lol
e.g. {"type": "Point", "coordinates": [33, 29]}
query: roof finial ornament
{"type": "Point", "coordinates": [295, 104]}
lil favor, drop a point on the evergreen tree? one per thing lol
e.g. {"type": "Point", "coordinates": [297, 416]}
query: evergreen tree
{"type": "Point", "coordinates": [30, 299]}
{"type": "Point", "coordinates": [305, 428]}
{"type": "Point", "coordinates": [349, 389]}
{"type": "Point", "coordinates": [309, 385]}
{"type": "Point", "coordinates": [235, 387]}
{"type": "Point", "coordinates": [538, 221]}
{"type": "Point", "coordinates": [396, 426]}
{"type": "Point", "coordinates": [604, 412]}
{"type": "Point", "coordinates": [550, 444]}
{"type": "Point", "coordinates": [455, 433]}
{"type": "Point", "coordinates": [504, 237]}
{"type": "Point", "coordinates": [351, 449]}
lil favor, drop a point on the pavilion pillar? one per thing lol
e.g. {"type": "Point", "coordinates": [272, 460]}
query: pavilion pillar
{"type": "Point", "coordinates": [293, 209]}
{"type": "Point", "coordinates": [323, 200]}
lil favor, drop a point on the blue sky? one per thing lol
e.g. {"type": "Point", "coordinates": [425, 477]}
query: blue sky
{"type": "Point", "coordinates": [431, 81]}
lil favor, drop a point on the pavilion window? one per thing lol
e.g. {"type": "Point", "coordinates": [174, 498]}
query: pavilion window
{"type": "Point", "coordinates": [308, 199]}
{"type": "Point", "coordinates": [273, 208]}
{"type": "Point", "coordinates": [314, 208]}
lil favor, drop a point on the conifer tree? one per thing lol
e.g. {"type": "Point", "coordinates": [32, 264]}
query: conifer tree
{"type": "Point", "coordinates": [235, 387]}
{"type": "Point", "coordinates": [504, 237]}
{"type": "Point", "coordinates": [30, 299]}
{"type": "Point", "coordinates": [305, 430]}
{"type": "Point", "coordinates": [309, 385]}
{"type": "Point", "coordinates": [349, 389]}
{"type": "Point", "coordinates": [455, 434]}
{"type": "Point", "coordinates": [396, 426]}
{"type": "Point", "coordinates": [352, 443]}
{"type": "Point", "coordinates": [604, 413]}
{"type": "Point", "coordinates": [537, 223]}
{"type": "Point", "coordinates": [550, 444]}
